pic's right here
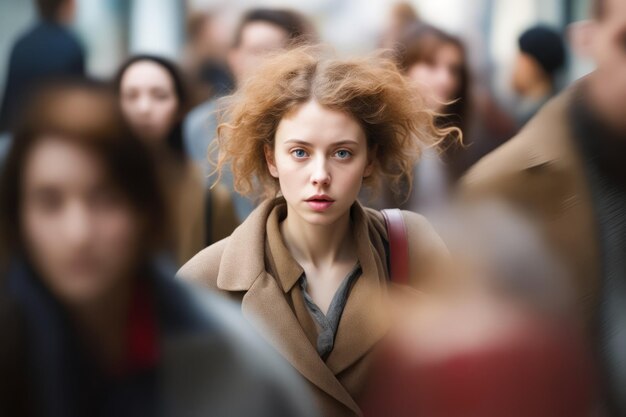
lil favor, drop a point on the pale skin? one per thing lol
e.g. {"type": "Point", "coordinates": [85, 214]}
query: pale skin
{"type": "Point", "coordinates": [320, 151]}
{"type": "Point", "coordinates": [440, 79]}
{"type": "Point", "coordinates": [149, 101]}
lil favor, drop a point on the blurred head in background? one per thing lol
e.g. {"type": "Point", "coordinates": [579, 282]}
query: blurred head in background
{"type": "Point", "coordinates": [541, 55]}
{"type": "Point", "coordinates": [263, 31]}
{"type": "Point", "coordinates": [401, 16]}
{"type": "Point", "coordinates": [61, 11]}
{"type": "Point", "coordinates": [435, 61]}
{"type": "Point", "coordinates": [154, 99]}
{"type": "Point", "coordinates": [79, 198]}
{"type": "Point", "coordinates": [606, 45]}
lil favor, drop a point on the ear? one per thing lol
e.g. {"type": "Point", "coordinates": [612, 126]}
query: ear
{"type": "Point", "coordinates": [581, 36]}
{"type": "Point", "coordinates": [371, 159]}
{"type": "Point", "coordinates": [271, 162]}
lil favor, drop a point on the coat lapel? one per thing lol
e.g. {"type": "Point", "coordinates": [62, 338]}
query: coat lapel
{"type": "Point", "coordinates": [242, 269]}
{"type": "Point", "coordinates": [364, 320]}
{"type": "Point", "coordinates": [265, 306]}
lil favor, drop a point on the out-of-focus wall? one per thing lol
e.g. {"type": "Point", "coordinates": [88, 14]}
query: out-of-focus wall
{"type": "Point", "coordinates": [111, 29]}
{"type": "Point", "coordinates": [102, 26]}
{"type": "Point", "coordinates": [157, 26]}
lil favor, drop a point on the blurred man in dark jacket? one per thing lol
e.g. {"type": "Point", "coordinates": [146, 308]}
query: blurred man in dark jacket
{"type": "Point", "coordinates": [46, 50]}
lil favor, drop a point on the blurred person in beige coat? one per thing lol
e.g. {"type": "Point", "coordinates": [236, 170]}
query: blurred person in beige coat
{"type": "Point", "coordinates": [565, 170]}
{"type": "Point", "coordinates": [154, 100]}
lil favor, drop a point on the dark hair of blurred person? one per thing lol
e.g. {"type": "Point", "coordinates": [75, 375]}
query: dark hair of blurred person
{"type": "Point", "coordinates": [46, 50]}
{"type": "Point", "coordinates": [295, 27]}
{"type": "Point", "coordinates": [260, 32]}
{"type": "Point", "coordinates": [435, 62]}
{"type": "Point", "coordinates": [154, 100]}
{"type": "Point", "coordinates": [99, 324]}
{"type": "Point", "coordinates": [55, 9]}
{"type": "Point", "coordinates": [565, 170]}
{"type": "Point", "coordinates": [541, 56]}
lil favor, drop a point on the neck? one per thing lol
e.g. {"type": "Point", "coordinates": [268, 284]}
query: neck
{"type": "Point", "coordinates": [103, 322]}
{"type": "Point", "coordinates": [540, 89]}
{"type": "Point", "coordinates": [318, 245]}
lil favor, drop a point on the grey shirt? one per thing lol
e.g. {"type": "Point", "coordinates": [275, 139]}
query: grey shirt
{"type": "Point", "coordinates": [328, 323]}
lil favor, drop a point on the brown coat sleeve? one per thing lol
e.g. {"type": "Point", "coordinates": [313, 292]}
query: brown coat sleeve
{"type": "Point", "coordinates": [223, 217]}
{"type": "Point", "coordinates": [428, 255]}
{"type": "Point", "coordinates": [204, 267]}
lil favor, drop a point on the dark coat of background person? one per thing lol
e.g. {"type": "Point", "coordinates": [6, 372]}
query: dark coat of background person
{"type": "Point", "coordinates": [209, 359]}
{"type": "Point", "coordinates": [46, 51]}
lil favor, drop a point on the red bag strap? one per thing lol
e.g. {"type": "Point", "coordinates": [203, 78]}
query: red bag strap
{"type": "Point", "coordinates": [398, 245]}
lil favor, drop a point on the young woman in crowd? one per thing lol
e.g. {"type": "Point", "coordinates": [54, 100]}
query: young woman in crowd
{"type": "Point", "coordinates": [94, 323]}
{"type": "Point", "coordinates": [154, 101]}
{"type": "Point", "coordinates": [310, 265]}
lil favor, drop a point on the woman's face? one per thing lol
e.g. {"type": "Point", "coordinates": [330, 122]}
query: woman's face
{"type": "Point", "coordinates": [80, 232]}
{"type": "Point", "coordinates": [440, 80]}
{"type": "Point", "coordinates": [149, 100]}
{"type": "Point", "coordinates": [320, 158]}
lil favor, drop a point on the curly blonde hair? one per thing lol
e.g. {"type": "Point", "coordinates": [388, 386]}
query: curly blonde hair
{"type": "Point", "coordinates": [395, 119]}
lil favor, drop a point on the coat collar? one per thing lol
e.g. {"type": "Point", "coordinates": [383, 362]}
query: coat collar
{"type": "Point", "coordinates": [265, 304]}
{"type": "Point", "coordinates": [243, 258]}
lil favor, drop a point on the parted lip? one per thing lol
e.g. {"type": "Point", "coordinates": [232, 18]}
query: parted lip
{"type": "Point", "coordinates": [320, 197]}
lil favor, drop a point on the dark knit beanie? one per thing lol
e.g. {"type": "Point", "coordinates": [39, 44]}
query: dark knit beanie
{"type": "Point", "coordinates": [546, 46]}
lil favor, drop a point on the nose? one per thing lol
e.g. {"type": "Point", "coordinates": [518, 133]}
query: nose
{"type": "Point", "coordinates": [77, 225]}
{"type": "Point", "coordinates": [144, 104]}
{"type": "Point", "coordinates": [321, 173]}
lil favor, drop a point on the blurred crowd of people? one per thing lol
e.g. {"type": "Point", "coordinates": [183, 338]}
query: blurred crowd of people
{"type": "Point", "coordinates": [237, 233]}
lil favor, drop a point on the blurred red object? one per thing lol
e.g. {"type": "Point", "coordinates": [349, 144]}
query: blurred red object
{"type": "Point", "coordinates": [541, 369]}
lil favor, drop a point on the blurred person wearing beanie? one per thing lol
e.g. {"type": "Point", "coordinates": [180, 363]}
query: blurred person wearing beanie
{"type": "Point", "coordinates": [541, 56]}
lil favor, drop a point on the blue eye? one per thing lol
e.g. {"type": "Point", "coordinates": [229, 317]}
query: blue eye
{"type": "Point", "coordinates": [299, 153]}
{"type": "Point", "coordinates": [343, 154]}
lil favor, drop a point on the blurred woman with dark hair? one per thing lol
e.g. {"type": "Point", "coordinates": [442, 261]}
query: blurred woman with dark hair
{"type": "Point", "coordinates": [154, 101]}
{"type": "Point", "coordinates": [94, 321]}
{"type": "Point", "coordinates": [436, 64]}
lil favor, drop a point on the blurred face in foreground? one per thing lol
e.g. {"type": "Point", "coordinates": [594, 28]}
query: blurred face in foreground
{"type": "Point", "coordinates": [80, 232]}
{"type": "Point", "coordinates": [320, 158]}
{"type": "Point", "coordinates": [149, 101]}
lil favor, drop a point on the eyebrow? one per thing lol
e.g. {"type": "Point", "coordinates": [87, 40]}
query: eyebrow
{"type": "Point", "coordinates": [305, 143]}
